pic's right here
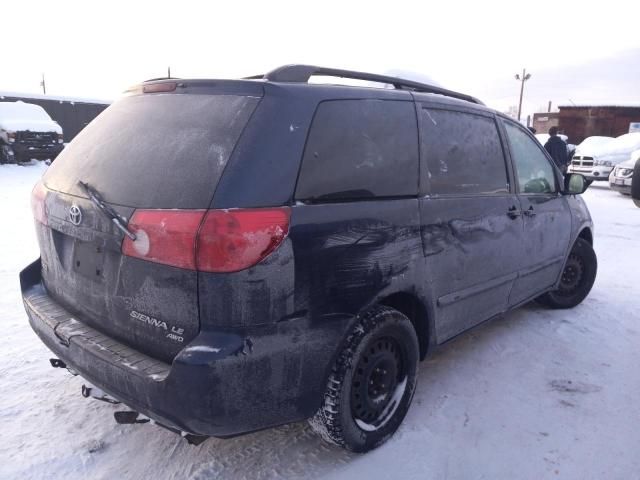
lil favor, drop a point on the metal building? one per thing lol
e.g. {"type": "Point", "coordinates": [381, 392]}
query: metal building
{"type": "Point", "coordinates": [73, 114]}
{"type": "Point", "coordinates": [542, 122]}
{"type": "Point", "coordinates": [580, 122]}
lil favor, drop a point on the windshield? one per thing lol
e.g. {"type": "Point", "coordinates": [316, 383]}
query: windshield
{"type": "Point", "coordinates": [154, 151]}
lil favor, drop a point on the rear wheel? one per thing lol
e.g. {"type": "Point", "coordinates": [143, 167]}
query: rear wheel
{"type": "Point", "coordinates": [578, 277]}
{"type": "Point", "coordinates": [372, 383]}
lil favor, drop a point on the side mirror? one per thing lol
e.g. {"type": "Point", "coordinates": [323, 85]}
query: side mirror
{"type": "Point", "coordinates": [635, 184]}
{"type": "Point", "coordinates": [575, 184]}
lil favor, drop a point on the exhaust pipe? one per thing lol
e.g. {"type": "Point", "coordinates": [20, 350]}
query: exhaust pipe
{"type": "Point", "coordinates": [130, 417]}
{"type": "Point", "coordinates": [57, 363]}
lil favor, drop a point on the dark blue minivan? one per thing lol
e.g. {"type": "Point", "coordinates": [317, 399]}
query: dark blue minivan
{"type": "Point", "coordinates": [223, 256]}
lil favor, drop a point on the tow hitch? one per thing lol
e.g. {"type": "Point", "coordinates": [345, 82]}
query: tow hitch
{"type": "Point", "coordinates": [129, 417]}
{"type": "Point", "coordinates": [98, 394]}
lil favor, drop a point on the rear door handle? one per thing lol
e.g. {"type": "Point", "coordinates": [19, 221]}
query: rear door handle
{"type": "Point", "coordinates": [513, 212]}
{"type": "Point", "coordinates": [530, 212]}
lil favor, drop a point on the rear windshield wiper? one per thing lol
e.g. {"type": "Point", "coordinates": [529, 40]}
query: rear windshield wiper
{"type": "Point", "coordinates": [109, 212]}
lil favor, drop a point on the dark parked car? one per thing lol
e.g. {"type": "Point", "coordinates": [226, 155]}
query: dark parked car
{"type": "Point", "coordinates": [27, 132]}
{"type": "Point", "coordinates": [635, 187]}
{"type": "Point", "coordinates": [224, 256]}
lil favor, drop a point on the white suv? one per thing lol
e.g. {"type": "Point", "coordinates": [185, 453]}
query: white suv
{"type": "Point", "coordinates": [622, 175]}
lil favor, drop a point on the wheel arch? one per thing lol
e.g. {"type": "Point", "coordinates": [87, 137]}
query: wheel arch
{"type": "Point", "coordinates": [414, 309]}
{"type": "Point", "coordinates": [407, 303]}
{"type": "Point", "coordinates": [586, 234]}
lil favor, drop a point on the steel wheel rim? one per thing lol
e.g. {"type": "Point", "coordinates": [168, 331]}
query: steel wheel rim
{"type": "Point", "coordinates": [572, 275]}
{"type": "Point", "coordinates": [377, 377]}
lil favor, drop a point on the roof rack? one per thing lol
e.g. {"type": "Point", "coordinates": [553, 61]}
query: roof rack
{"type": "Point", "coordinates": [302, 73]}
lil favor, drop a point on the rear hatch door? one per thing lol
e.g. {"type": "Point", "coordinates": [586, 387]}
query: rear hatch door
{"type": "Point", "coordinates": [146, 151]}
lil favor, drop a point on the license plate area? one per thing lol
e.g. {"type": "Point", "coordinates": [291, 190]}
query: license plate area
{"type": "Point", "coordinates": [88, 260]}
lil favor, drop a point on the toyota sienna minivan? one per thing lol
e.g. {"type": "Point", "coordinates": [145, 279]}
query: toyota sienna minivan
{"type": "Point", "coordinates": [224, 256]}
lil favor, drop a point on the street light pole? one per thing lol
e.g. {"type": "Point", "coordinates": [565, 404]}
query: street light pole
{"type": "Point", "coordinates": [525, 76]}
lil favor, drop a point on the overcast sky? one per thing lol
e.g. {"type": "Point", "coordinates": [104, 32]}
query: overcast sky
{"type": "Point", "coordinates": [97, 49]}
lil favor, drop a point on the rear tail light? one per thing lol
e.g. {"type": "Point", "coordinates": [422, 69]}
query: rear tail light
{"type": "Point", "coordinates": [232, 240]}
{"type": "Point", "coordinates": [207, 240]}
{"type": "Point", "coordinates": [38, 206]}
{"type": "Point", "coordinates": [164, 236]}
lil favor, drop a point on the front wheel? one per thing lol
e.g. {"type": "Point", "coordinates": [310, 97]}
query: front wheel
{"type": "Point", "coordinates": [372, 382]}
{"type": "Point", "coordinates": [6, 154]}
{"type": "Point", "coordinates": [578, 277]}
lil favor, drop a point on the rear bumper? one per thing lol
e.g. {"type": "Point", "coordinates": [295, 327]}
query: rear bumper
{"type": "Point", "coordinates": [222, 384]}
{"type": "Point", "coordinates": [39, 152]}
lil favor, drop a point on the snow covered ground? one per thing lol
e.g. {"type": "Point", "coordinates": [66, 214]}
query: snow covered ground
{"type": "Point", "coordinates": [538, 394]}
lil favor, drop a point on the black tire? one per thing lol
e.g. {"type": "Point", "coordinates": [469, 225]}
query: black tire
{"type": "Point", "coordinates": [577, 278]}
{"type": "Point", "coordinates": [372, 382]}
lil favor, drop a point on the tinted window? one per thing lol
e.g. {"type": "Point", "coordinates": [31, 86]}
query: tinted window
{"type": "Point", "coordinates": [463, 153]}
{"type": "Point", "coordinates": [360, 149]}
{"type": "Point", "coordinates": [155, 151]}
{"type": "Point", "coordinates": [534, 172]}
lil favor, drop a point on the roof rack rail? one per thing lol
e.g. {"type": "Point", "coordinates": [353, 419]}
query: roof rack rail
{"type": "Point", "coordinates": [302, 74]}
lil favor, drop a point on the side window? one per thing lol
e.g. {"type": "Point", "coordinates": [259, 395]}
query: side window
{"type": "Point", "coordinates": [534, 172]}
{"type": "Point", "coordinates": [360, 149]}
{"type": "Point", "coordinates": [463, 153]}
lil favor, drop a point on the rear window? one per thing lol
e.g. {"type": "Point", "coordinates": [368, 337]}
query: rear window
{"type": "Point", "coordinates": [155, 151]}
{"type": "Point", "coordinates": [360, 149]}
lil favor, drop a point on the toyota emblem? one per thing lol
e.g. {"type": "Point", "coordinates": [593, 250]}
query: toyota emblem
{"type": "Point", "coordinates": [75, 215]}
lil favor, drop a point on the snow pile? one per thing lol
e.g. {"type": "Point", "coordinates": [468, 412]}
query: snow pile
{"type": "Point", "coordinates": [58, 98]}
{"type": "Point", "coordinates": [539, 394]}
{"type": "Point", "coordinates": [620, 148]}
{"type": "Point", "coordinates": [413, 76]}
{"type": "Point", "coordinates": [591, 145]}
{"type": "Point", "coordinates": [20, 116]}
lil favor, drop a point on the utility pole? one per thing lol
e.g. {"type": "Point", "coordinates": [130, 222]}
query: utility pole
{"type": "Point", "coordinates": [168, 72]}
{"type": "Point", "coordinates": [43, 85]}
{"type": "Point", "coordinates": [525, 76]}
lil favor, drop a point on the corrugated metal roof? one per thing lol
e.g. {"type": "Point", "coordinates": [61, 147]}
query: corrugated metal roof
{"type": "Point", "coordinates": [60, 98]}
{"type": "Point", "coordinates": [602, 105]}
